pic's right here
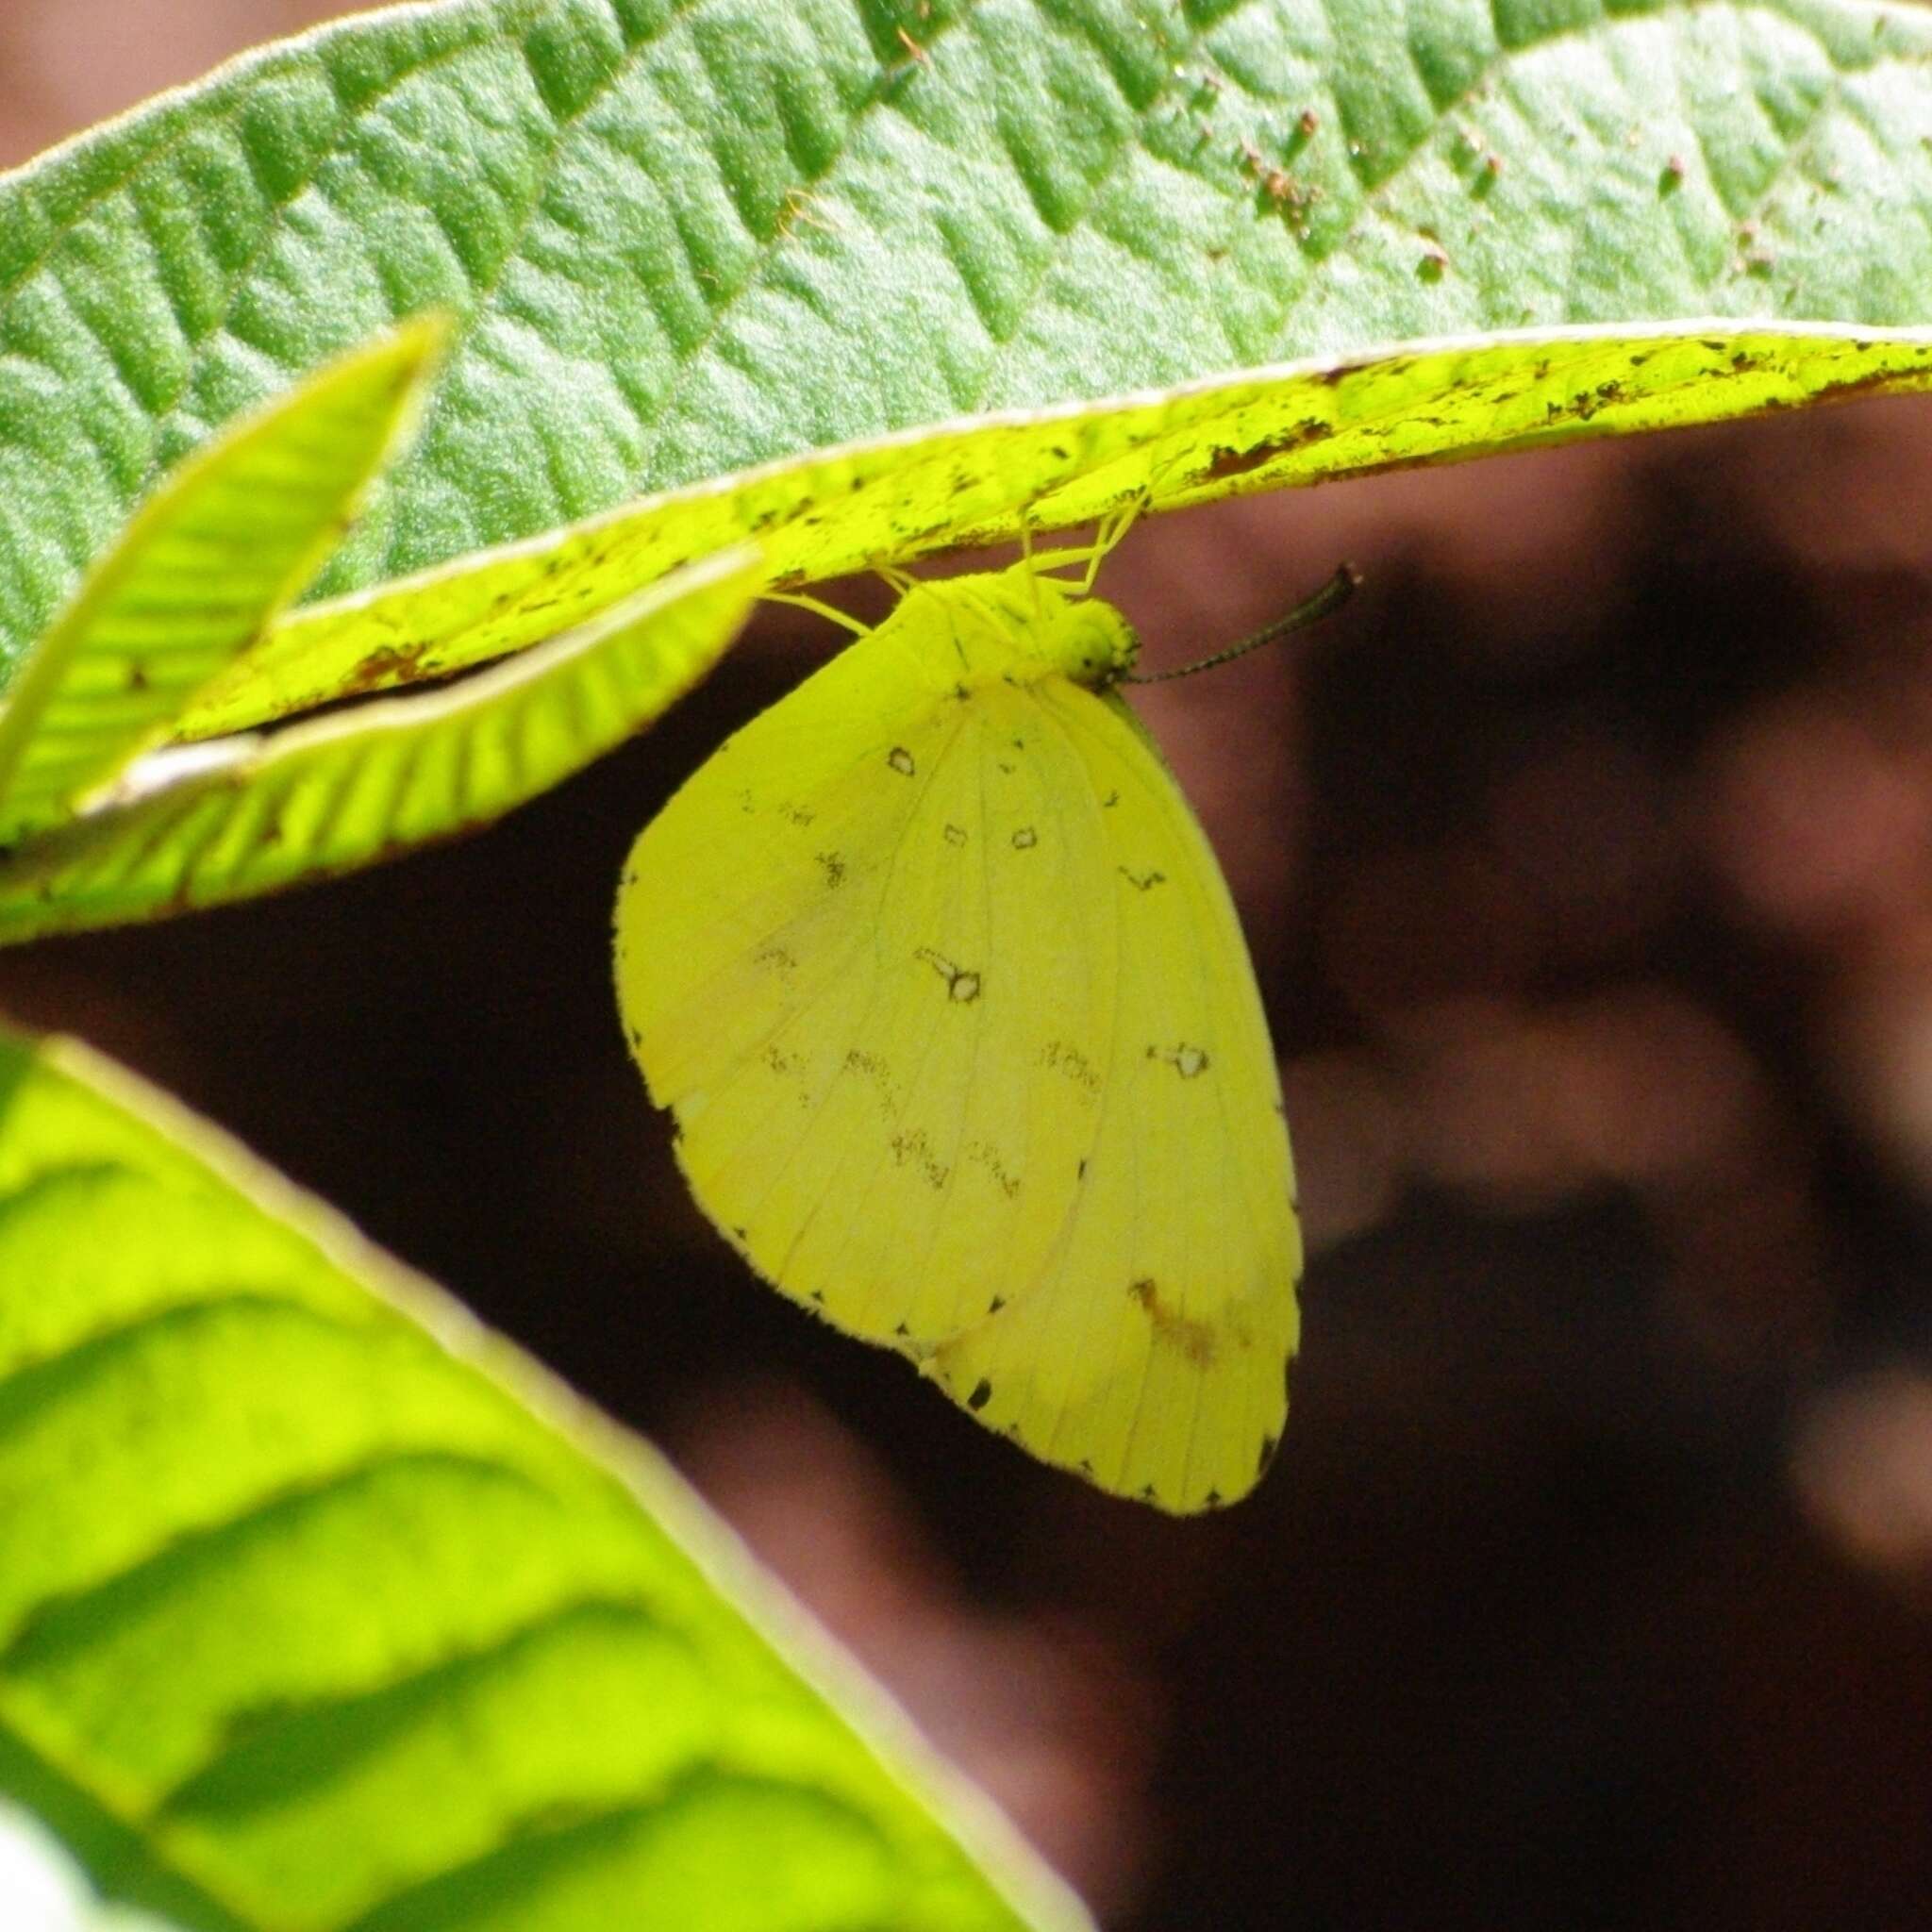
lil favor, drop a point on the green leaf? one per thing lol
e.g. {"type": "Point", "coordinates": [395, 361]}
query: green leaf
{"type": "Point", "coordinates": [319, 1607]}
{"type": "Point", "coordinates": [684, 237]}
{"type": "Point", "coordinates": [240, 816]}
{"type": "Point", "coordinates": [227, 539]}
{"type": "Point", "coordinates": [832, 512]}
{"type": "Point", "coordinates": [45, 1891]}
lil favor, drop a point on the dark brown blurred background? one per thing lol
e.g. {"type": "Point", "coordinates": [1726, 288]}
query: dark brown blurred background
{"type": "Point", "coordinates": [1586, 860]}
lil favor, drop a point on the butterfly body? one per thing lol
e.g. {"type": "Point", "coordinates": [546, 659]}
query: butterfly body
{"type": "Point", "coordinates": [941, 981]}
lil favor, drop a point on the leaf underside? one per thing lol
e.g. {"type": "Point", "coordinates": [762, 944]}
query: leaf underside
{"type": "Point", "coordinates": [844, 510]}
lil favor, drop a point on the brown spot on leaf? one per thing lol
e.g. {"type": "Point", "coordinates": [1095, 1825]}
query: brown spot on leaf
{"type": "Point", "coordinates": [385, 665]}
{"type": "Point", "coordinates": [1225, 462]}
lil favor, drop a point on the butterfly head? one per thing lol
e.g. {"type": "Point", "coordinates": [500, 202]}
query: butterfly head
{"type": "Point", "coordinates": [1058, 631]}
{"type": "Point", "coordinates": [1089, 641]}
{"type": "Point", "coordinates": [1016, 625]}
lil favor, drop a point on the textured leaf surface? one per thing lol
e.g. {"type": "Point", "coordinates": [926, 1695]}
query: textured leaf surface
{"type": "Point", "coordinates": [843, 509]}
{"type": "Point", "coordinates": [230, 536]}
{"type": "Point", "coordinates": [241, 816]}
{"type": "Point", "coordinates": [688, 236]}
{"type": "Point", "coordinates": [318, 1608]}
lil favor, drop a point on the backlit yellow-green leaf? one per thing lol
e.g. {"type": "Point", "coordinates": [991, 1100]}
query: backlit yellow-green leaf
{"type": "Point", "coordinates": [977, 481]}
{"type": "Point", "coordinates": [206, 823]}
{"type": "Point", "coordinates": [227, 539]}
{"type": "Point", "coordinates": [320, 1608]}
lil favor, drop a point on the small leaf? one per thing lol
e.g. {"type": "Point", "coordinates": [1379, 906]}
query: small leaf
{"type": "Point", "coordinates": [227, 539]}
{"type": "Point", "coordinates": [234, 817]}
{"type": "Point", "coordinates": [975, 481]}
{"type": "Point", "coordinates": [319, 1607]}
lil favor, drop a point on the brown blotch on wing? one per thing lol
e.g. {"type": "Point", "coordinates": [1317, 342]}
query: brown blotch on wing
{"type": "Point", "coordinates": [1194, 1339]}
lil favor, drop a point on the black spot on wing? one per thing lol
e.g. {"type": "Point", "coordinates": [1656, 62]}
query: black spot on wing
{"type": "Point", "coordinates": [982, 1394]}
{"type": "Point", "coordinates": [963, 982]}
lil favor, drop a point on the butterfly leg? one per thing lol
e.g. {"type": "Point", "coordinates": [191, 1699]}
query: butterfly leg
{"type": "Point", "coordinates": [1106, 534]}
{"type": "Point", "coordinates": [820, 609]}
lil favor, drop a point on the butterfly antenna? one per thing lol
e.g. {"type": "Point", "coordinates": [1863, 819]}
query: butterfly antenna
{"type": "Point", "coordinates": [1325, 603]}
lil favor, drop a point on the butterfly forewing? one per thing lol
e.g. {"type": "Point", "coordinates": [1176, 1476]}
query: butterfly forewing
{"type": "Point", "coordinates": [853, 1021]}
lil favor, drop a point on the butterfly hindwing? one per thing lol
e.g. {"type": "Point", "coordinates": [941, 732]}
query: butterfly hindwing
{"type": "Point", "coordinates": [1151, 1354]}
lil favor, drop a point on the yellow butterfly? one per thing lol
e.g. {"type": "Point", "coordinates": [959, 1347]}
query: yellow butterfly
{"type": "Point", "coordinates": [938, 976]}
